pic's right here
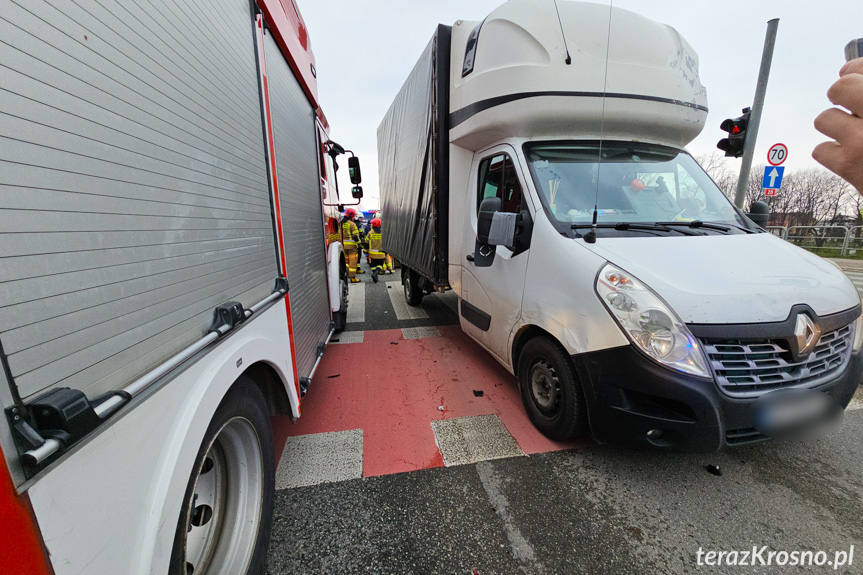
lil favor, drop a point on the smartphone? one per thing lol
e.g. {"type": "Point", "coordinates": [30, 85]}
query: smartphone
{"type": "Point", "coordinates": [854, 49]}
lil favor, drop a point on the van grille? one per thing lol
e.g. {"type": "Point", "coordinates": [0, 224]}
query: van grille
{"type": "Point", "coordinates": [742, 436]}
{"type": "Point", "coordinates": [747, 368]}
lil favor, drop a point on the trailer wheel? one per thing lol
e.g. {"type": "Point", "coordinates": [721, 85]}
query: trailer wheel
{"type": "Point", "coordinates": [413, 293]}
{"type": "Point", "coordinates": [550, 390]}
{"type": "Point", "coordinates": [227, 512]}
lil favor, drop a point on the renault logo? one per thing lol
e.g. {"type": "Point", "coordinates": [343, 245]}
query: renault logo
{"type": "Point", "coordinates": [806, 335]}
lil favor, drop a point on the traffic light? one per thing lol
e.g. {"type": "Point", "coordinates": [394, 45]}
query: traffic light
{"type": "Point", "coordinates": [736, 128]}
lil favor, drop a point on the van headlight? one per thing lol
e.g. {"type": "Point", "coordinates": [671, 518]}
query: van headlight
{"type": "Point", "coordinates": [649, 323]}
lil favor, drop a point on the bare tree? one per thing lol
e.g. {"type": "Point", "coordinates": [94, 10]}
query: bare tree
{"type": "Point", "coordinates": [808, 197]}
{"type": "Point", "coordinates": [717, 168]}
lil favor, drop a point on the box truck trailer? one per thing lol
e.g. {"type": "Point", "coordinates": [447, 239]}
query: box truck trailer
{"type": "Point", "coordinates": [167, 283]}
{"type": "Point", "coordinates": [534, 163]}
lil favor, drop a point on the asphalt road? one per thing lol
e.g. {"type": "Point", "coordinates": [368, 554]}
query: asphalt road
{"type": "Point", "coordinates": [594, 509]}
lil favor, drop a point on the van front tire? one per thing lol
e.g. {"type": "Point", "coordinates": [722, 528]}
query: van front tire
{"type": "Point", "coordinates": [227, 513]}
{"type": "Point", "coordinates": [550, 390]}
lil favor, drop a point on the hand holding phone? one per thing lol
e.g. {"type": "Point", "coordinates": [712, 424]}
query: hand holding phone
{"type": "Point", "coordinates": [844, 123]}
{"type": "Point", "coordinates": [854, 49]}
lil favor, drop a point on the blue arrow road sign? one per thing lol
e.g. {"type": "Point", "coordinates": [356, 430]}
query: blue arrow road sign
{"type": "Point", "coordinates": [773, 177]}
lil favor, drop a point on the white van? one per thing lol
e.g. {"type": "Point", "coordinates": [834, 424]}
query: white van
{"type": "Point", "coordinates": [669, 321]}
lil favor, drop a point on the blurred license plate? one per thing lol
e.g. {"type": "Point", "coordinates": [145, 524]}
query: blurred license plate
{"type": "Point", "coordinates": [796, 414]}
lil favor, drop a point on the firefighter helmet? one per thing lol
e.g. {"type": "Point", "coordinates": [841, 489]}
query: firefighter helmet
{"type": "Point", "coordinates": [376, 223]}
{"type": "Point", "coordinates": [350, 213]}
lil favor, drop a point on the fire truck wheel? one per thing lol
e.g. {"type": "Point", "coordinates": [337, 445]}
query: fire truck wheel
{"type": "Point", "coordinates": [340, 318]}
{"type": "Point", "coordinates": [550, 390]}
{"type": "Point", "coordinates": [227, 512]}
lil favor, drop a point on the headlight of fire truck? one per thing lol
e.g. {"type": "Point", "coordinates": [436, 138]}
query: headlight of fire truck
{"type": "Point", "coordinates": [649, 323]}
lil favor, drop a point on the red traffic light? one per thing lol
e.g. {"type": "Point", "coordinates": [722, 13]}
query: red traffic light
{"type": "Point", "coordinates": [733, 145]}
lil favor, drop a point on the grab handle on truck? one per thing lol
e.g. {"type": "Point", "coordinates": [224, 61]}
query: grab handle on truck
{"type": "Point", "coordinates": [63, 416]}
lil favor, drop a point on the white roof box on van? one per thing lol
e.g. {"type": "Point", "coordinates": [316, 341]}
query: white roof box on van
{"type": "Point", "coordinates": [514, 79]}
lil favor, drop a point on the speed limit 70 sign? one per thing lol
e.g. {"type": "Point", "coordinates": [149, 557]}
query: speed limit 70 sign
{"type": "Point", "coordinates": [777, 154]}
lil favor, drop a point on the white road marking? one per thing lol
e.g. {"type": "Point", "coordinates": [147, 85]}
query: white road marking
{"type": "Point", "coordinates": [418, 332]}
{"type": "Point", "coordinates": [520, 546]}
{"type": "Point", "coordinates": [857, 279]}
{"type": "Point", "coordinates": [475, 438]}
{"type": "Point", "coordinates": [401, 307]}
{"type": "Point", "coordinates": [856, 401]}
{"type": "Point", "coordinates": [348, 337]}
{"type": "Point", "coordinates": [321, 458]}
{"type": "Point", "coordinates": [357, 303]}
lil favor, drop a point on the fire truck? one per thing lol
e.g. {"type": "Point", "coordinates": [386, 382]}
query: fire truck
{"type": "Point", "coordinates": [169, 277]}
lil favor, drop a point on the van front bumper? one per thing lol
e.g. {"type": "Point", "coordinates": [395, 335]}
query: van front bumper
{"type": "Point", "coordinates": [628, 396]}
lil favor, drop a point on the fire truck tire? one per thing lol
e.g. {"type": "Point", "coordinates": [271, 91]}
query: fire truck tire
{"type": "Point", "coordinates": [227, 512]}
{"type": "Point", "coordinates": [340, 318]}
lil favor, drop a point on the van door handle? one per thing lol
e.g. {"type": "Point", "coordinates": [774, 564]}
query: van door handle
{"type": "Point", "coordinates": [470, 257]}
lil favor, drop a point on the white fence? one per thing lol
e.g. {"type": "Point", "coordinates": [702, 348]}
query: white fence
{"type": "Point", "coordinates": [847, 241]}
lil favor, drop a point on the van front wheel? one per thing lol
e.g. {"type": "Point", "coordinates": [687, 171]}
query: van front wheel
{"type": "Point", "coordinates": [550, 390]}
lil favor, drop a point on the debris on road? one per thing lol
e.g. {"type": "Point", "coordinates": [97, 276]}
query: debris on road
{"type": "Point", "coordinates": [477, 393]}
{"type": "Point", "coordinates": [714, 469]}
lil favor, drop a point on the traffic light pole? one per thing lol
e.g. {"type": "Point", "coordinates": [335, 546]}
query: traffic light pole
{"type": "Point", "coordinates": [755, 118]}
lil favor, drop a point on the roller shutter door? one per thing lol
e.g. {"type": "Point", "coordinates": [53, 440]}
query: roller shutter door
{"type": "Point", "coordinates": [133, 188]}
{"type": "Point", "coordinates": [302, 213]}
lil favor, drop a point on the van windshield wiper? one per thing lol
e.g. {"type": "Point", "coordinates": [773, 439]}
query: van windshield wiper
{"type": "Point", "coordinates": [697, 224]}
{"type": "Point", "coordinates": [744, 229]}
{"type": "Point", "coordinates": [626, 226]}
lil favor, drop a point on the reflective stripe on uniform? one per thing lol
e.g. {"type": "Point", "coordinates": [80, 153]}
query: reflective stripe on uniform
{"type": "Point", "coordinates": [375, 244]}
{"type": "Point", "coordinates": [349, 233]}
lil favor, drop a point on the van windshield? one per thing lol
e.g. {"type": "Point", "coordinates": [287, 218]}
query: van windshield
{"type": "Point", "coordinates": [632, 183]}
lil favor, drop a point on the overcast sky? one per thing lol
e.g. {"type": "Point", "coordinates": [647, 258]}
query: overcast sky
{"type": "Point", "coordinates": [366, 48]}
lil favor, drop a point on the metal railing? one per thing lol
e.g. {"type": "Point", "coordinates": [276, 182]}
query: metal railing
{"type": "Point", "coordinates": [840, 240]}
{"type": "Point", "coordinates": [854, 243]}
{"type": "Point", "coordinates": [780, 231]}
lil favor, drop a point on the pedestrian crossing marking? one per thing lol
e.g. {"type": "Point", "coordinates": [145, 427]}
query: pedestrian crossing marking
{"type": "Point", "coordinates": [357, 303]}
{"type": "Point", "coordinates": [348, 337]}
{"type": "Point", "coordinates": [402, 309]}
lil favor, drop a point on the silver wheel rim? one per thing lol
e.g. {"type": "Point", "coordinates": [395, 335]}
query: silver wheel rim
{"type": "Point", "coordinates": [545, 388]}
{"type": "Point", "coordinates": [344, 285]}
{"type": "Point", "coordinates": [408, 287]}
{"type": "Point", "coordinates": [224, 513]}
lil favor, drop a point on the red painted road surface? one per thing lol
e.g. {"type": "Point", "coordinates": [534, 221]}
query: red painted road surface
{"type": "Point", "coordinates": [392, 388]}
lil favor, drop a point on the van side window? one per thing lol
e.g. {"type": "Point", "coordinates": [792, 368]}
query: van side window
{"type": "Point", "coordinates": [498, 178]}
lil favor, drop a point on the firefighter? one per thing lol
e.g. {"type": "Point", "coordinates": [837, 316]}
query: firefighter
{"type": "Point", "coordinates": [350, 241]}
{"type": "Point", "coordinates": [380, 262]}
{"type": "Point", "coordinates": [362, 243]}
{"type": "Point", "coordinates": [358, 222]}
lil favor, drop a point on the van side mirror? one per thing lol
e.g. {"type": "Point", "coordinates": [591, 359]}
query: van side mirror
{"type": "Point", "coordinates": [354, 170]}
{"type": "Point", "coordinates": [487, 209]}
{"type": "Point", "coordinates": [493, 228]}
{"type": "Point", "coordinates": [759, 213]}
{"type": "Point", "coordinates": [357, 192]}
